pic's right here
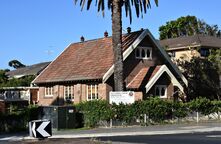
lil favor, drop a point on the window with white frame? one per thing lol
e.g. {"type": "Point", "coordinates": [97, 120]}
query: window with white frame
{"type": "Point", "coordinates": [49, 90]}
{"type": "Point", "coordinates": [69, 93]}
{"type": "Point", "coordinates": [161, 91]}
{"type": "Point", "coordinates": [92, 92]}
{"type": "Point", "coordinates": [143, 53]}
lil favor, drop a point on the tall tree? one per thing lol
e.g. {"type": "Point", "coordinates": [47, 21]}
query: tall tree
{"type": "Point", "coordinates": [15, 64]}
{"type": "Point", "coordinates": [116, 8]}
{"type": "Point", "coordinates": [3, 77]}
{"type": "Point", "coordinates": [187, 26]}
{"type": "Point", "coordinates": [203, 78]}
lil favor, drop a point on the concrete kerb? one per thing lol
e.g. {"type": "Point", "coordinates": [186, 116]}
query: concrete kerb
{"type": "Point", "coordinates": [130, 133]}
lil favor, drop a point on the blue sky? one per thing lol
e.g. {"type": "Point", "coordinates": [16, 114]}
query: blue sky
{"type": "Point", "coordinates": [34, 31]}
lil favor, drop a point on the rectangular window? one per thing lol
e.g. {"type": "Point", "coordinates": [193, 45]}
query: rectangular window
{"type": "Point", "coordinates": [92, 92]}
{"type": "Point", "coordinates": [68, 93]}
{"type": "Point", "coordinates": [204, 52]}
{"type": "Point", "coordinates": [143, 53]}
{"type": "Point", "coordinates": [161, 91]}
{"type": "Point", "coordinates": [49, 90]}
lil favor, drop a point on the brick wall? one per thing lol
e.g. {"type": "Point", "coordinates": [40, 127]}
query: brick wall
{"type": "Point", "coordinates": [138, 96]}
{"type": "Point", "coordinates": [46, 101]}
{"type": "Point", "coordinates": [2, 106]}
{"type": "Point", "coordinates": [103, 91]}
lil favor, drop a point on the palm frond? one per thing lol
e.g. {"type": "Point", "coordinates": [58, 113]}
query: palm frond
{"type": "Point", "coordinates": [82, 4]}
{"type": "Point", "coordinates": [156, 2]}
{"type": "Point", "coordinates": [75, 2]}
{"type": "Point", "coordinates": [88, 4]}
{"type": "Point", "coordinates": [109, 4]}
{"type": "Point", "coordinates": [141, 8]}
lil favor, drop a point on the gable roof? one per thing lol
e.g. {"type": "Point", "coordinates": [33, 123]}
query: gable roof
{"type": "Point", "coordinates": [86, 60]}
{"type": "Point", "coordinates": [158, 74]}
{"type": "Point", "coordinates": [127, 52]}
{"type": "Point", "coordinates": [144, 75]}
{"type": "Point", "coordinates": [28, 70]}
{"type": "Point", "coordinates": [93, 59]}
{"type": "Point", "coordinates": [149, 77]}
{"type": "Point", "coordinates": [192, 41]}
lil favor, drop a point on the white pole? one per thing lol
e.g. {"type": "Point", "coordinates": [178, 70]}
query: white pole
{"type": "Point", "coordinates": [110, 123]}
{"type": "Point", "coordinates": [197, 116]}
{"type": "Point", "coordinates": [145, 118]}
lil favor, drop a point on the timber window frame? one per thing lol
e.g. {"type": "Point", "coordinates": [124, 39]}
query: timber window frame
{"type": "Point", "coordinates": [143, 53]}
{"type": "Point", "coordinates": [69, 93]}
{"type": "Point", "coordinates": [92, 92]}
{"type": "Point", "coordinates": [161, 91]}
{"type": "Point", "coordinates": [49, 91]}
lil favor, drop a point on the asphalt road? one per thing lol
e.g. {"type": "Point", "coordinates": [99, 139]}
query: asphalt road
{"type": "Point", "coordinates": [194, 138]}
{"type": "Point", "coordinates": [191, 138]}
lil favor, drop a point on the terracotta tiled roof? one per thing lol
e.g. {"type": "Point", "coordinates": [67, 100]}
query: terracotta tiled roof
{"type": "Point", "coordinates": [142, 78]}
{"type": "Point", "coordinates": [84, 60]}
{"type": "Point", "coordinates": [199, 39]}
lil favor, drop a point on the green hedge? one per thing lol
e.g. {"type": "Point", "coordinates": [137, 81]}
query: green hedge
{"type": "Point", "coordinates": [156, 110]}
{"type": "Point", "coordinates": [18, 119]}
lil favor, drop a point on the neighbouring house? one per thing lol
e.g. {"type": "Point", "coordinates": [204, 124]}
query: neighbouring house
{"type": "Point", "coordinates": [20, 96]}
{"type": "Point", "coordinates": [32, 70]}
{"type": "Point", "coordinates": [186, 47]}
{"type": "Point", "coordinates": [84, 71]}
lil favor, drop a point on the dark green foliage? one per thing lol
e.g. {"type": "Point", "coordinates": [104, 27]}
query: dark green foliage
{"type": "Point", "coordinates": [187, 26]}
{"type": "Point", "coordinates": [15, 64]}
{"type": "Point", "coordinates": [3, 77]}
{"type": "Point", "coordinates": [201, 105]}
{"type": "Point", "coordinates": [179, 110]}
{"type": "Point", "coordinates": [94, 111]}
{"type": "Point", "coordinates": [215, 58]}
{"type": "Point", "coordinates": [156, 110]}
{"type": "Point", "coordinates": [123, 113]}
{"type": "Point", "coordinates": [24, 81]}
{"type": "Point", "coordinates": [140, 6]}
{"type": "Point", "coordinates": [203, 78]}
{"type": "Point", "coordinates": [17, 119]}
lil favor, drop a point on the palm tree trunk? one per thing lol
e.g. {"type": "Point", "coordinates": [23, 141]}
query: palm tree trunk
{"type": "Point", "coordinates": [117, 44]}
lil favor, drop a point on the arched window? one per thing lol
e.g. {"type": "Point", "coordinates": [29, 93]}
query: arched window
{"type": "Point", "coordinates": [148, 53]}
{"type": "Point", "coordinates": [161, 91]}
{"type": "Point", "coordinates": [137, 53]}
{"type": "Point", "coordinates": [143, 53]}
{"type": "Point", "coordinates": [157, 91]}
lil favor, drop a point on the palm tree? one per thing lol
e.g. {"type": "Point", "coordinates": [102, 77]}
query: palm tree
{"type": "Point", "coordinates": [116, 8]}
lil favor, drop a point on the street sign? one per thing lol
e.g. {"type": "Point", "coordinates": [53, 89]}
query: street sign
{"type": "Point", "coordinates": [40, 128]}
{"type": "Point", "coordinates": [125, 97]}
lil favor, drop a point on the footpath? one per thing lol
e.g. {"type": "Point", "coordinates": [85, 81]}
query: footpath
{"type": "Point", "coordinates": [125, 131]}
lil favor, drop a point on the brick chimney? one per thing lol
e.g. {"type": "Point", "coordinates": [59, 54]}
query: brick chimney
{"type": "Point", "coordinates": [105, 34]}
{"type": "Point", "coordinates": [128, 30]}
{"type": "Point", "coordinates": [82, 39]}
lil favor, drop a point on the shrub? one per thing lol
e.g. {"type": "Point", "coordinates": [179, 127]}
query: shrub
{"type": "Point", "coordinates": [94, 111]}
{"type": "Point", "coordinates": [202, 105]}
{"type": "Point", "coordinates": [18, 119]}
{"type": "Point", "coordinates": [179, 110]}
{"type": "Point", "coordinates": [158, 109]}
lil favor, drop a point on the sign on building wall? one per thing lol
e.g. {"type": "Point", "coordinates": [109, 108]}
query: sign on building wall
{"type": "Point", "coordinates": [125, 97]}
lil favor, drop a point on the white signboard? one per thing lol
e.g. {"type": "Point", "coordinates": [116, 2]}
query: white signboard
{"type": "Point", "coordinates": [125, 97]}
